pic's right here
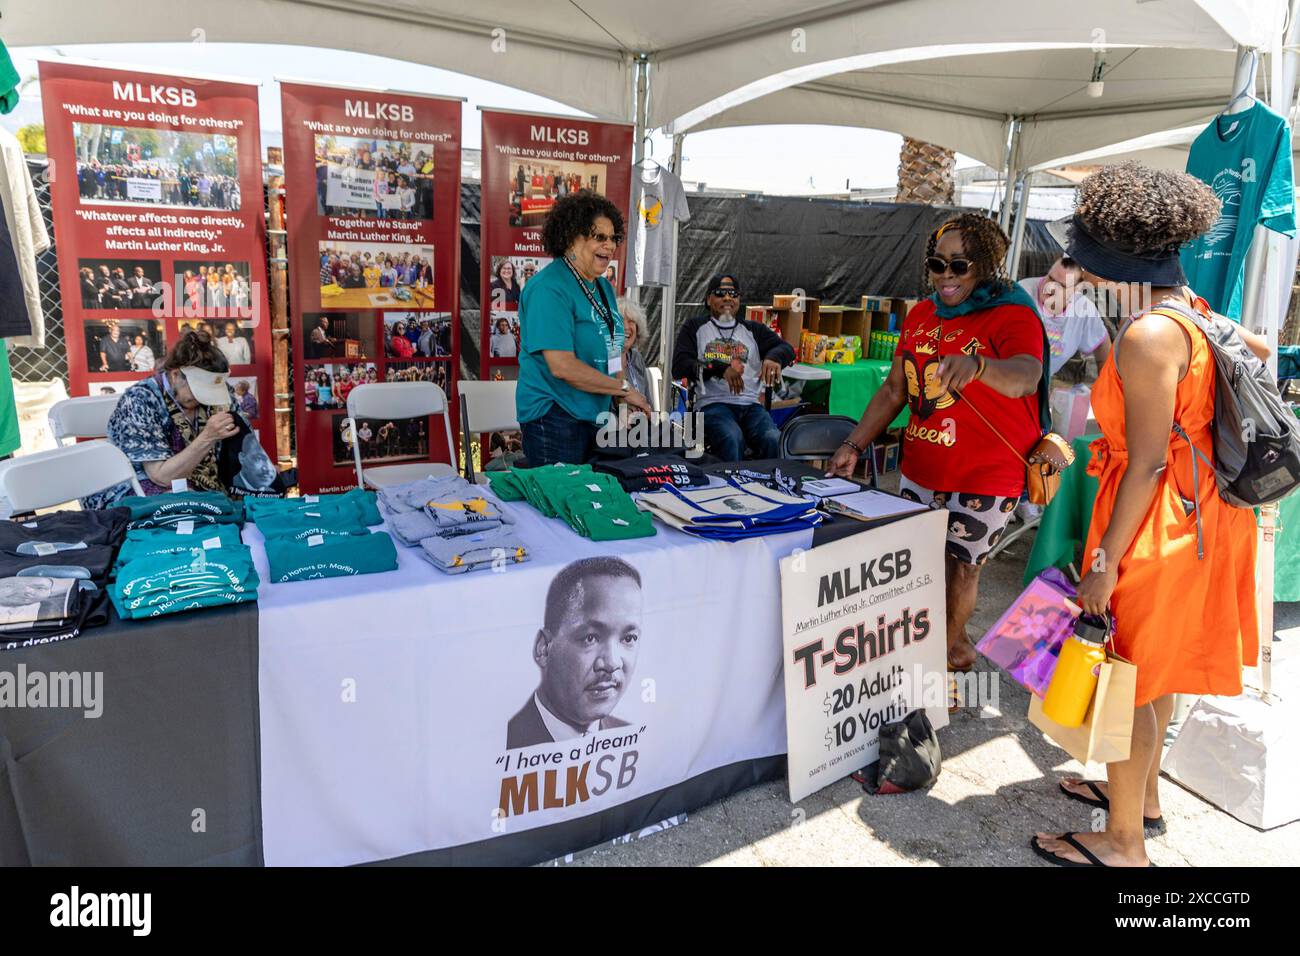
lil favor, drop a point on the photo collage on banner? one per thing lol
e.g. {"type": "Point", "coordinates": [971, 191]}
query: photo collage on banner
{"type": "Point", "coordinates": [529, 161]}
{"type": "Point", "coordinates": [372, 193]}
{"type": "Point", "coordinates": [158, 210]}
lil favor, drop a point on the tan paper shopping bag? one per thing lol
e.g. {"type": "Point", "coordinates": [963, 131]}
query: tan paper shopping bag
{"type": "Point", "coordinates": [1107, 731]}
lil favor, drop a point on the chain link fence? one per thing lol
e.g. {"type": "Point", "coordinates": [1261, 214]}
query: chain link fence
{"type": "Point", "coordinates": [51, 362]}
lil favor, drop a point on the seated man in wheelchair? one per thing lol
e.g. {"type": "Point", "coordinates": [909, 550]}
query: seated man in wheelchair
{"type": "Point", "coordinates": [731, 359]}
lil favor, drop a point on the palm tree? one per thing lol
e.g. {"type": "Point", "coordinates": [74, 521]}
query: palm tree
{"type": "Point", "coordinates": [926, 173]}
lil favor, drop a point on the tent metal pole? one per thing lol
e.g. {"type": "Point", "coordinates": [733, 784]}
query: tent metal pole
{"type": "Point", "coordinates": [1010, 170]}
{"type": "Point", "coordinates": [668, 324]}
{"type": "Point", "coordinates": [640, 90]}
{"type": "Point", "coordinates": [1018, 236]}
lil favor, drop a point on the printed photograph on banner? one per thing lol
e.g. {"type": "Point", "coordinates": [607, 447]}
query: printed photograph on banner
{"type": "Point", "coordinates": [142, 166]}
{"type": "Point", "coordinates": [504, 340]}
{"type": "Point", "coordinates": [504, 373]}
{"type": "Point", "coordinates": [383, 179]}
{"type": "Point", "coordinates": [341, 335]}
{"type": "Point", "coordinates": [120, 283]}
{"type": "Point", "coordinates": [435, 372]}
{"type": "Point", "coordinates": [234, 339]}
{"type": "Point", "coordinates": [417, 335]}
{"type": "Point", "coordinates": [536, 184]}
{"type": "Point", "coordinates": [97, 389]}
{"type": "Point", "coordinates": [585, 650]}
{"type": "Point", "coordinates": [509, 276]}
{"type": "Point", "coordinates": [212, 289]}
{"type": "Point", "coordinates": [326, 387]}
{"type": "Point", "coordinates": [244, 388]}
{"type": "Point", "coordinates": [123, 345]}
{"type": "Point", "coordinates": [504, 450]}
{"type": "Point", "coordinates": [383, 441]}
{"type": "Point", "coordinates": [376, 275]}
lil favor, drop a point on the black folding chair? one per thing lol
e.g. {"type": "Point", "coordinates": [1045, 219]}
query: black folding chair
{"type": "Point", "coordinates": [818, 437]}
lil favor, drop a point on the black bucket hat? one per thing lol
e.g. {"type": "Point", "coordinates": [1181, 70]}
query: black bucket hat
{"type": "Point", "coordinates": [1160, 268]}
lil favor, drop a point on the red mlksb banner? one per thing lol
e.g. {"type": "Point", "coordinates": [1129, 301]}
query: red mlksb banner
{"type": "Point", "coordinates": [372, 195]}
{"type": "Point", "coordinates": [159, 221]}
{"type": "Point", "coordinates": [529, 161]}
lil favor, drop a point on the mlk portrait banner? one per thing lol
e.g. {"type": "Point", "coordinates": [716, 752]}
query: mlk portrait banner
{"type": "Point", "coordinates": [156, 182]}
{"type": "Point", "coordinates": [372, 187]}
{"type": "Point", "coordinates": [529, 162]}
{"type": "Point", "coordinates": [599, 676]}
{"type": "Point", "coordinates": [863, 623]}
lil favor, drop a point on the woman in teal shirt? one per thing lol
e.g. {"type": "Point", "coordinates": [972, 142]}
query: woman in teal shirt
{"type": "Point", "coordinates": [571, 355]}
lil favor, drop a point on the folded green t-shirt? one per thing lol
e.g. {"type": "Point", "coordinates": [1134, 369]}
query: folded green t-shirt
{"type": "Point", "coordinates": [331, 557]}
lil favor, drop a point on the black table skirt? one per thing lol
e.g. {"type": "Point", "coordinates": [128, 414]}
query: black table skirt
{"type": "Point", "coordinates": [167, 775]}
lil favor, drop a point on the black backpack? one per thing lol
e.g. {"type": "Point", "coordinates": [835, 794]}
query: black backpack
{"type": "Point", "coordinates": [1256, 436]}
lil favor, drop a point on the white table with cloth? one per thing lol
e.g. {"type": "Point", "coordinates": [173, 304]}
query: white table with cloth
{"type": "Point", "coordinates": [385, 700]}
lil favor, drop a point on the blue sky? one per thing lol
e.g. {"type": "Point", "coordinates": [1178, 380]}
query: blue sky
{"type": "Point", "coordinates": [744, 158]}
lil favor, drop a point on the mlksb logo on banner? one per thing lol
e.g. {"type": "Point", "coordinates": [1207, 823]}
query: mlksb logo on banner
{"type": "Point", "coordinates": [863, 626]}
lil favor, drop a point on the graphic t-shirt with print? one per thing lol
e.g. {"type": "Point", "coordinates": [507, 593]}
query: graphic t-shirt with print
{"type": "Point", "coordinates": [946, 447]}
{"type": "Point", "coordinates": [1078, 329]}
{"type": "Point", "coordinates": [659, 201]}
{"type": "Point", "coordinates": [1246, 158]}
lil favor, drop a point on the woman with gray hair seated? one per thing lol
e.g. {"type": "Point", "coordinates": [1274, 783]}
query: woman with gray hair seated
{"type": "Point", "coordinates": [633, 333]}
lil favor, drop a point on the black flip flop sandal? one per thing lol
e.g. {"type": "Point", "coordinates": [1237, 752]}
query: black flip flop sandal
{"type": "Point", "coordinates": [1151, 826]}
{"type": "Point", "coordinates": [1055, 860]}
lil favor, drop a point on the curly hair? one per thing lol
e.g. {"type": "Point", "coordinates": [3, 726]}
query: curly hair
{"type": "Point", "coordinates": [1144, 210]}
{"type": "Point", "coordinates": [573, 216]}
{"type": "Point", "coordinates": [984, 243]}
{"type": "Point", "coordinates": [196, 349]}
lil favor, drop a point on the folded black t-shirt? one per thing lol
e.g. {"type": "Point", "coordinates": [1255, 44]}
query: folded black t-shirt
{"type": "Point", "coordinates": [33, 558]}
{"type": "Point", "coordinates": [62, 611]}
{"type": "Point", "coordinates": [107, 526]}
{"type": "Point", "coordinates": [651, 472]}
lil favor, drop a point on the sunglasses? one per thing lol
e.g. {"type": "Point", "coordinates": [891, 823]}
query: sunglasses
{"type": "Point", "coordinates": [939, 265]}
{"type": "Point", "coordinates": [601, 237]}
{"type": "Point", "coordinates": [725, 293]}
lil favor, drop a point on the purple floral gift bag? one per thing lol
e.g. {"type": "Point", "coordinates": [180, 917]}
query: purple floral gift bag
{"type": "Point", "coordinates": [1026, 640]}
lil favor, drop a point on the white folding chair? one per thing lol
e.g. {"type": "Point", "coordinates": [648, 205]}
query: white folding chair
{"type": "Point", "coordinates": [397, 400]}
{"type": "Point", "coordinates": [75, 418]}
{"type": "Point", "coordinates": [60, 475]}
{"type": "Point", "coordinates": [486, 407]}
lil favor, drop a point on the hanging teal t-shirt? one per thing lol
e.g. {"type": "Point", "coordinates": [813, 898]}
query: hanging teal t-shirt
{"type": "Point", "coordinates": [555, 315]}
{"type": "Point", "coordinates": [1246, 159]}
{"type": "Point", "coordinates": [11, 438]}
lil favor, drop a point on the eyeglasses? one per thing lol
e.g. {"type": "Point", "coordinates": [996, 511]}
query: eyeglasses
{"type": "Point", "coordinates": [725, 293]}
{"type": "Point", "coordinates": [939, 265]}
{"type": "Point", "coordinates": [601, 237]}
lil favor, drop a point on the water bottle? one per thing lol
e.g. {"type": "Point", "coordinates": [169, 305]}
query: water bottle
{"type": "Point", "coordinates": [1074, 682]}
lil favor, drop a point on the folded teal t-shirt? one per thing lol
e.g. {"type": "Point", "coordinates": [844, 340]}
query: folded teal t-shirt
{"type": "Point", "coordinates": [332, 557]}
{"type": "Point", "coordinates": [168, 510]}
{"type": "Point", "coordinates": [167, 583]}
{"type": "Point", "coordinates": [358, 502]}
{"type": "Point", "coordinates": [143, 542]}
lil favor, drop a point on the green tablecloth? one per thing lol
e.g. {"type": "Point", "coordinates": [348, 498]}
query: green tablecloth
{"type": "Point", "coordinates": [1064, 528]}
{"type": "Point", "coordinates": [850, 388]}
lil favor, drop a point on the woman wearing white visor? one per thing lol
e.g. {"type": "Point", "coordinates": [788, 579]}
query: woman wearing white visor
{"type": "Point", "coordinates": [172, 425]}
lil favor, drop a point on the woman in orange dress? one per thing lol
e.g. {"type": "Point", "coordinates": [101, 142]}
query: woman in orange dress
{"type": "Point", "coordinates": [1171, 561]}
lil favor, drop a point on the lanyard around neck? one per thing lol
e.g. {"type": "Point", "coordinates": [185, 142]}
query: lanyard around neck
{"type": "Point", "coordinates": [601, 308]}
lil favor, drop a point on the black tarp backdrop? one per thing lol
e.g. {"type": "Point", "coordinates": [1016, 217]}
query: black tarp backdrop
{"type": "Point", "coordinates": [835, 250]}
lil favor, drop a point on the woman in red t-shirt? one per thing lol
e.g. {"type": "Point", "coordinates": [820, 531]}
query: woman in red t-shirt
{"type": "Point", "coordinates": [974, 347]}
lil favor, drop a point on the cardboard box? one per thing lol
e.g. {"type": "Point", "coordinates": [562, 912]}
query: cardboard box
{"type": "Point", "coordinates": [875, 303]}
{"type": "Point", "coordinates": [853, 321]}
{"type": "Point", "coordinates": [828, 320]}
{"type": "Point", "coordinates": [880, 321]}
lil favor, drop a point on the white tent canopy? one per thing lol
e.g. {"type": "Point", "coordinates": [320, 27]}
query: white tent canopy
{"type": "Point", "coordinates": [704, 58]}
{"type": "Point", "coordinates": [964, 101]}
